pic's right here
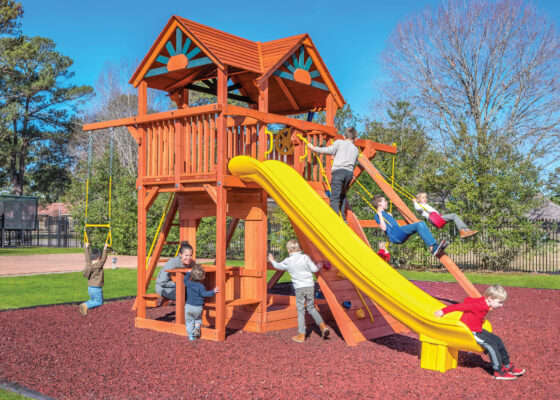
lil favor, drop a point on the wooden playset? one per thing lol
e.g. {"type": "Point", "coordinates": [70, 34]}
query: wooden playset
{"type": "Point", "coordinates": [185, 151]}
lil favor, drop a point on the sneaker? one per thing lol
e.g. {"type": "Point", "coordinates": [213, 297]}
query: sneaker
{"type": "Point", "coordinates": [515, 371]}
{"type": "Point", "coordinates": [83, 309]}
{"type": "Point", "coordinates": [437, 251]}
{"type": "Point", "coordinates": [504, 375]}
{"type": "Point", "coordinates": [300, 338]}
{"type": "Point", "coordinates": [196, 331]}
{"type": "Point", "coordinates": [191, 337]}
{"type": "Point", "coordinates": [325, 331]}
{"type": "Point", "coordinates": [465, 233]}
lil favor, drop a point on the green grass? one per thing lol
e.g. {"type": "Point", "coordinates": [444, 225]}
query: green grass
{"type": "Point", "coordinates": [26, 251]}
{"type": "Point", "coordinates": [7, 395]}
{"type": "Point", "coordinates": [504, 279]}
{"type": "Point", "coordinates": [32, 290]}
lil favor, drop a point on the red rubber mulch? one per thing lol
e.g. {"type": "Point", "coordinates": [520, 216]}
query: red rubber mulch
{"type": "Point", "coordinates": [55, 351]}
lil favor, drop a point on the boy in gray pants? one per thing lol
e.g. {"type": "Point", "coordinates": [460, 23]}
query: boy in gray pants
{"type": "Point", "coordinates": [301, 269]}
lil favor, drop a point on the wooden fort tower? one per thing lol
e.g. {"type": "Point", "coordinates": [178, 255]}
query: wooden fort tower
{"type": "Point", "coordinates": [186, 150]}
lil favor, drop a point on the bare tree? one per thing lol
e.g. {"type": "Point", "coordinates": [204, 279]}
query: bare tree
{"type": "Point", "coordinates": [479, 71]}
{"type": "Point", "coordinates": [115, 98]}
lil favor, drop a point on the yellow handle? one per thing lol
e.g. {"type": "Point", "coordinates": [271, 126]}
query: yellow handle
{"type": "Point", "coordinates": [109, 239]}
{"type": "Point", "coordinates": [304, 155]}
{"type": "Point", "coordinates": [271, 141]}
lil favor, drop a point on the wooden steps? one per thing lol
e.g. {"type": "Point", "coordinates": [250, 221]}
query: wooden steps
{"type": "Point", "coordinates": [152, 300]}
{"type": "Point", "coordinates": [235, 303]}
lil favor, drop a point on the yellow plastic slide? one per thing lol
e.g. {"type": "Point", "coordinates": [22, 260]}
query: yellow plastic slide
{"type": "Point", "coordinates": [441, 337]}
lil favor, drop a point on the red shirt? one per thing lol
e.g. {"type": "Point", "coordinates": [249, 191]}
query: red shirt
{"type": "Point", "coordinates": [474, 312]}
{"type": "Point", "coordinates": [384, 255]}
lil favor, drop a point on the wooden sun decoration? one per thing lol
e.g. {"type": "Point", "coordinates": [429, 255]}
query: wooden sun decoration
{"type": "Point", "coordinates": [180, 56]}
{"type": "Point", "coordinates": [299, 70]}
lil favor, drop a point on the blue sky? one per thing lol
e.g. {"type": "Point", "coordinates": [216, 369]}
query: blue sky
{"type": "Point", "coordinates": [350, 35]}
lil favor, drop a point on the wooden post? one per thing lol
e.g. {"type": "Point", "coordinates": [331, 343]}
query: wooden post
{"type": "Point", "coordinates": [221, 208]}
{"type": "Point", "coordinates": [180, 132]}
{"type": "Point", "coordinates": [262, 247]}
{"type": "Point", "coordinates": [142, 212]}
{"type": "Point", "coordinates": [331, 110]}
{"type": "Point", "coordinates": [143, 98]}
{"type": "Point", "coordinates": [263, 107]}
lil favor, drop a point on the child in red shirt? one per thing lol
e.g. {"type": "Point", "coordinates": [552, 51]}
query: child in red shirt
{"type": "Point", "coordinates": [474, 313]}
{"type": "Point", "coordinates": [383, 253]}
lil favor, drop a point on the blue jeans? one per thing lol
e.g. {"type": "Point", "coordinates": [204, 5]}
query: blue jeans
{"type": "Point", "coordinates": [95, 297]}
{"type": "Point", "coordinates": [422, 229]}
{"type": "Point", "coordinates": [193, 317]}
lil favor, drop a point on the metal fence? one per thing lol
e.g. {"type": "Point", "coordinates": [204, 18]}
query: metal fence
{"type": "Point", "coordinates": [56, 232]}
{"type": "Point", "coordinates": [542, 258]}
{"type": "Point", "coordinates": [541, 254]}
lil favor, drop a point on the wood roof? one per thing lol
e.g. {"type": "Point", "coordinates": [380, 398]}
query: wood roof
{"type": "Point", "coordinates": [186, 52]}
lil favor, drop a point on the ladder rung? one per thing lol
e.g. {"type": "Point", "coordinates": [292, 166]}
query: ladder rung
{"type": "Point", "coordinates": [172, 242]}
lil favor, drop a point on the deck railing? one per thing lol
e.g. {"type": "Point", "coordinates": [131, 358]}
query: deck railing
{"type": "Point", "coordinates": [184, 142]}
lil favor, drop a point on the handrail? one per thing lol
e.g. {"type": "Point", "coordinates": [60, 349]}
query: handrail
{"type": "Point", "coordinates": [268, 118]}
{"type": "Point", "coordinates": [162, 116]}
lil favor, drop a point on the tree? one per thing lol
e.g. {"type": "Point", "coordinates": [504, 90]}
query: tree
{"type": "Point", "coordinates": [483, 75]}
{"type": "Point", "coordinates": [417, 167]}
{"type": "Point", "coordinates": [10, 12]}
{"type": "Point", "coordinates": [481, 71]}
{"type": "Point", "coordinates": [36, 99]}
{"type": "Point", "coordinates": [51, 168]}
{"type": "Point", "coordinates": [115, 98]}
{"type": "Point", "coordinates": [553, 186]}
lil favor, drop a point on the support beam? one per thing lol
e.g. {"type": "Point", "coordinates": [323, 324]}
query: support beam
{"type": "Point", "coordinates": [150, 198]}
{"type": "Point", "coordinates": [275, 278]}
{"type": "Point", "coordinates": [331, 110]}
{"type": "Point", "coordinates": [143, 98]}
{"type": "Point", "coordinates": [152, 263]}
{"type": "Point", "coordinates": [221, 208]}
{"type": "Point", "coordinates": [263, 108]}
{"type": "Point", "coordinates": [211, 190]}
{"type": "Point", "coordinates": [287, 93]}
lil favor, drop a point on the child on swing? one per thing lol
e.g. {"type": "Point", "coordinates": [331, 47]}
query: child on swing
{"type": "Point", "coordinates": [94, 273]}
{"type": "Point", "coordinates": [400, 234]}
{"type": "Point", "coordinates": [421, 205]}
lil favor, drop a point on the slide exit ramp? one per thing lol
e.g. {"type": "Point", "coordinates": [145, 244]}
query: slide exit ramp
{"type": "Point", "coordinates": [441, 337]}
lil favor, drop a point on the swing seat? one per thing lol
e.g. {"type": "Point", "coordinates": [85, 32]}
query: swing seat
{"type": "Point", "coordinates": [436, 219]}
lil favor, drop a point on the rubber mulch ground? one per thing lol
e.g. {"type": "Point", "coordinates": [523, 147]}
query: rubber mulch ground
{"type": "Point", "coordinates": [55, 351]}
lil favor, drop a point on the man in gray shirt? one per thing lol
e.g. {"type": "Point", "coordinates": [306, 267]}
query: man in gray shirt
{"type": "Point", "coordinates": [345, 157]}
{"type": "Point", "coordinates": [165, 286]}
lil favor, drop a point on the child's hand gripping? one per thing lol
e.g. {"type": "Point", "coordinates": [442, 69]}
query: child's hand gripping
{"type": "Point", "coordinates": [438, 313]}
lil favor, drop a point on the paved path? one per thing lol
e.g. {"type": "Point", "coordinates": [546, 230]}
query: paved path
{"type": "Point", "coordinates": [59, 263]}
{"type": "Point", "coordinates": [54, 263]}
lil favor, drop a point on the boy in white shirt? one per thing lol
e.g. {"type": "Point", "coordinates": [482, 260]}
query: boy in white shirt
{"type": "Point", "coordinates": [301, 269]}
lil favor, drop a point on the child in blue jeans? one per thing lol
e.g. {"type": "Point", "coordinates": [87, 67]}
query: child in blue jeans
{"type": "Point", "coordinates": [94, 273]}
{"type": "Point", "coordinates": [196, 292]}
{"type": "Point", "coordinates": [399, 234]}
